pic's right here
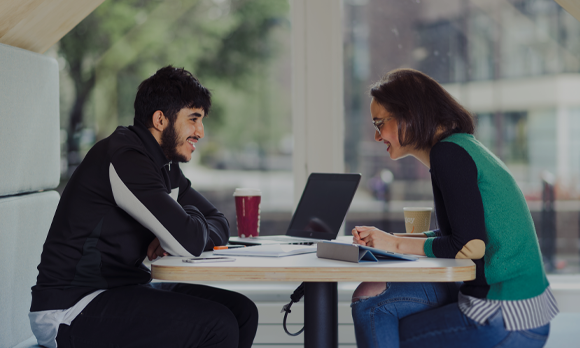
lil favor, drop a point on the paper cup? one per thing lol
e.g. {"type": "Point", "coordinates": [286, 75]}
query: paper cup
{"type": "Point", "coordinates": [417, 220]}
{"type": "Point", "coordinates": [248, 211]}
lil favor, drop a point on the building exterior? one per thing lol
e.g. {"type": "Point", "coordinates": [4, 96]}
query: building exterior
{"type": "Point", "coordinates": [515, 64]}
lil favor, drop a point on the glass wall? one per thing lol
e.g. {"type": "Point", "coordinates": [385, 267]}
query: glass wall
{"type": "Point", "coordinates": [512, 63]}
{"type": "Point", "coordinates": [239, 49]}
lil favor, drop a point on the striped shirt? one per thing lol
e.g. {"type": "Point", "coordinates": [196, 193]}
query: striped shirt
{"type": "Point", "coordinates": [517, 315]}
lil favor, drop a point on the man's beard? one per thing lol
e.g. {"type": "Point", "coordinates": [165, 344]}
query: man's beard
{"type": "Point", "coordinates": [169, 144]}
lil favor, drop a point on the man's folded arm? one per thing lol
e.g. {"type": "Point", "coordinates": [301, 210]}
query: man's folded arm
{"type": "Point", "coordinates": [219, 228]}
{"type": "Point", "coordinates": [138, 189]}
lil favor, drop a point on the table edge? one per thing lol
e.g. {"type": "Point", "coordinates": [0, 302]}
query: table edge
{"type": "Point", "coordinates": [313, 274]}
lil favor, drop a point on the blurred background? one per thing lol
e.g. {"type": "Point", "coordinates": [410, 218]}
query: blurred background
{"type": "Point", "coordinates": [515, 64]}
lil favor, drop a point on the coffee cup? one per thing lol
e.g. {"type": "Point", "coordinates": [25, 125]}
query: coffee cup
{"type": "Point", "coordinates": [418, 219]}
{"type": "Point", "coordinates": [248, 211]}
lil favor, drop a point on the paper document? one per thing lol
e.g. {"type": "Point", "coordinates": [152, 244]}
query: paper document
{"type": "Point", "coordinates": [269, 250]}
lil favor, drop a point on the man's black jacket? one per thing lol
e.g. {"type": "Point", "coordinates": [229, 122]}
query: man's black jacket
{"type": "Point", "coordinates": [123, 195]}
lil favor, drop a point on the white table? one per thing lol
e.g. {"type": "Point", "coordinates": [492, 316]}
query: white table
{"type": "Point", "coordinates": [320, 275]}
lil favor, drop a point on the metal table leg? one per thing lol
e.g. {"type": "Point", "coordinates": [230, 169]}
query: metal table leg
{"type": "Point", "coordinates": [320, 315]}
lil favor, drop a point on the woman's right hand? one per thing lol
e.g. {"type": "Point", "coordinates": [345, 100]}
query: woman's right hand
{"type": "Point", "coordinates": [373, 237]}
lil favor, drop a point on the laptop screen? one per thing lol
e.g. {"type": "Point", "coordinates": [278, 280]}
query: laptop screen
{"type": "Point", "coordinates": [323, 205]}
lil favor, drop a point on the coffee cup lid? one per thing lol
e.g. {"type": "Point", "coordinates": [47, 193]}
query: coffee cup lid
{"type": "Point", "coordinates": [417, 208]}
{"type": "Point", "coordinates": [247, 192]}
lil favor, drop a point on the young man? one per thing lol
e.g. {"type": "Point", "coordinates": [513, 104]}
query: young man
{"type": "Point", "coordinates": [126, 200]}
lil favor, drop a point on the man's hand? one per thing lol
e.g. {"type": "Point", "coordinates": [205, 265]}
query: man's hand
{"type": "Point", "coordinates": [375, 238]}
{"type": "Point", "coordinates": [155, 250]}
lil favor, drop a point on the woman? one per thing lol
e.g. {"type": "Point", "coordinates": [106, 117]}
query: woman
{"type": "Point", "coordinates": [482, 215]}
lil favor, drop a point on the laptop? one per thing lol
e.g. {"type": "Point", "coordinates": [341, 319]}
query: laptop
{"type": "Point", "coordinates": [320, 212]}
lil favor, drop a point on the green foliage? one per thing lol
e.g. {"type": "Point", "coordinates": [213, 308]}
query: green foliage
{"type": "Point", "coordinates": [226, 43]}
{"type": "Point", "coordinates": [95, 34]}
{"type": "Point", "coordinates": [246, 42]}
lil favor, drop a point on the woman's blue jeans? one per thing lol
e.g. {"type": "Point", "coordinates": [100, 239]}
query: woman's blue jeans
{"type": "Point", "coordinates": [427, 315]}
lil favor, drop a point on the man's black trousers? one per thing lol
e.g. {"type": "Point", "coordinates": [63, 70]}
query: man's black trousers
{"type": "Point", "coordinates": [168, 315]}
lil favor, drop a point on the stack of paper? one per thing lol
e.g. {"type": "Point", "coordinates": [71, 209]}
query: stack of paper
{"type": "Point", "coordinates": [270, 250]}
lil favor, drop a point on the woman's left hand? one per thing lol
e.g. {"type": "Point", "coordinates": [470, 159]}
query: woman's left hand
{"type": "Point", "coordinates": [375, 238]}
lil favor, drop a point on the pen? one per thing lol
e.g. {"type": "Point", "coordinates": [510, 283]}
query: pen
{"type": "Point", "coordinates": [224, 247]}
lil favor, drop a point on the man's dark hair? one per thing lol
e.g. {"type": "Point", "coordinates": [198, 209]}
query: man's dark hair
{"type": "Point", "coordinates": [169, 90]}
{"type": "Point", "coordinates": [421, 107]}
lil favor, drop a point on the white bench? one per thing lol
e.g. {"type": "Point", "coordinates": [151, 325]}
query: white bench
{"type": "Point", "coordinates": [29, 163]}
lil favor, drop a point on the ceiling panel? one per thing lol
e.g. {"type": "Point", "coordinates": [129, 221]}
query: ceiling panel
{"type": "Point", "coordinates": [572, 6]}
{"type": "Point", "coordinates": [35, 25]}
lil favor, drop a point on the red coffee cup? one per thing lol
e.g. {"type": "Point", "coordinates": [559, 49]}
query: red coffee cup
{"type": "Point", "coordinates": [248, 211]}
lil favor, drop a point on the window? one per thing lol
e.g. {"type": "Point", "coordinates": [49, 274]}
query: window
{"type": "Point", "coordinates": [238, 49]}
{"type": "Point", "coordinates": [509, 62]}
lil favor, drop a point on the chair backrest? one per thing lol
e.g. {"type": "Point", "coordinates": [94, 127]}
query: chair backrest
{"type": "Point", "coordinates": [29, 164]}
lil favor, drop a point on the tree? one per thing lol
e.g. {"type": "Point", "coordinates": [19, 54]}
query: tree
{"type": "Point", "coordinates": [125, 40]}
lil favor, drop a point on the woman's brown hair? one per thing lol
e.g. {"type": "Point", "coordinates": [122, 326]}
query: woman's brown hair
{"type": "Point", "coordinates": [421, 107]}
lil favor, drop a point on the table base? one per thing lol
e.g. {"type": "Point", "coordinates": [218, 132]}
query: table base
{"type": "Point", "coordinates": [320, 315]}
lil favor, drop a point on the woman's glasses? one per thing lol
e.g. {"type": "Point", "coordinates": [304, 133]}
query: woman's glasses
{"type": "Point", "coordinates": [378, 125]}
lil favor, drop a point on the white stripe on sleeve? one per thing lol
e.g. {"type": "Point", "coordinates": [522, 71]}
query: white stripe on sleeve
{"type": "Point", "coordinates": [129, 203]}
{"type": "Point", "coordinates": [175, 193]}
